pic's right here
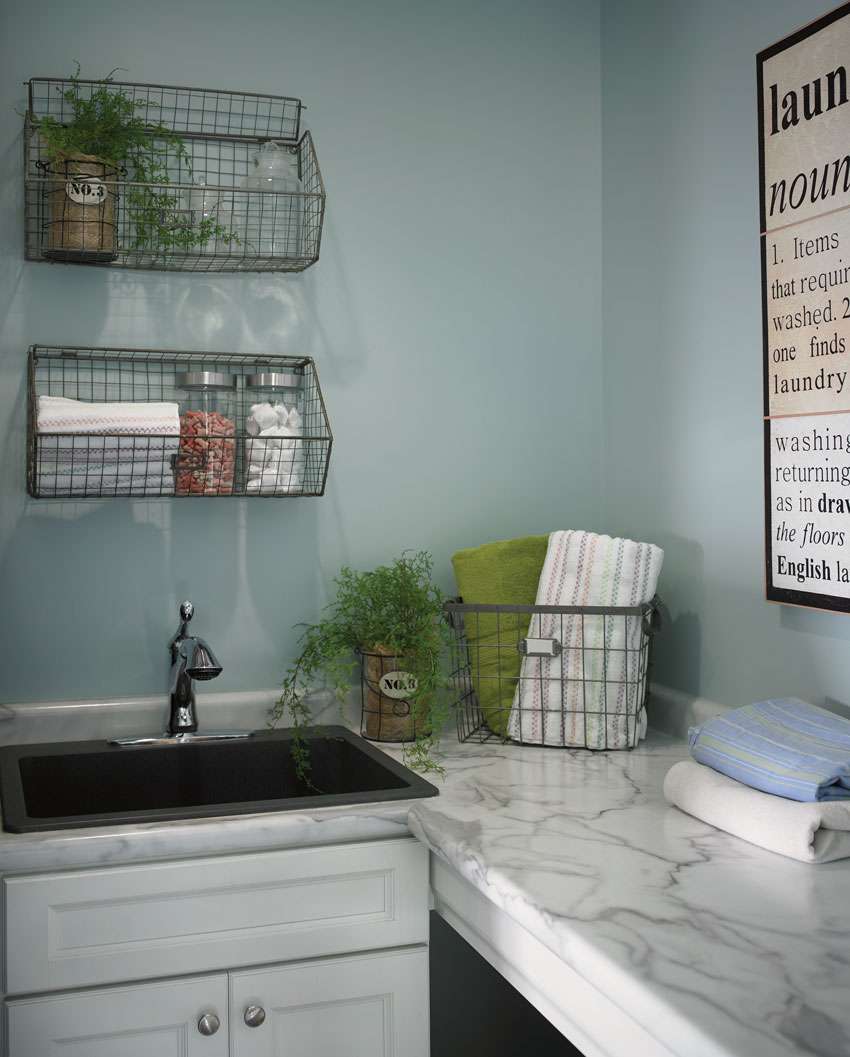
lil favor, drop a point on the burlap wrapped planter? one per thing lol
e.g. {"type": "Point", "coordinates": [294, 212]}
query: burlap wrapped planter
{"type": "Point", "coordinates": [82, 211]}
{"type": "Point", "coordinates": [387, 717]}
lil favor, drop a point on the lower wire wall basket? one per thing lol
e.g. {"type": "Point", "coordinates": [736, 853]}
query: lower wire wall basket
{"type": "Point", "coordinates": [156, 423]}
{"type": "Point", "coordinates": [563, 676]}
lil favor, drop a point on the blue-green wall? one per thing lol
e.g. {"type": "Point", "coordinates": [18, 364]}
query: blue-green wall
{"type": "Point", "coordinates": [454, 318]}
{"type": "Point", "coordinates": [682, 342]}
{"type": "Point", "coordinates": [537, 306]}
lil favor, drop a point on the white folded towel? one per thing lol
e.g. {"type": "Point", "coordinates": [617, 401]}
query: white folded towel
{"type": "Point", "coordinates": [82, 451]}
{"type": "Point", "coordinates": [588, 695]}
{"type": "Point", "coordinates": [105, 449]}
{"type": "Point", "coordinates": [153, 468]}
{"type": "Point", "coordinates": [60, 414]}
{"type": "Point", "coordinates": [81, 484]}
{"type": "Point", "coordinates": [810, 832]}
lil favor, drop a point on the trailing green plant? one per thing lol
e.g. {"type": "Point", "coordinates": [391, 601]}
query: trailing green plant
{"type": "Point", "coordinates": [395, 609]}
{"type": "Point", "coordinates": [105, 123]}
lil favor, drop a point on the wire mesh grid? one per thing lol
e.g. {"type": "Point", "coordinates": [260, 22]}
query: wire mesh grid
{"type": "Point", "coordinates": [205, 218]}
{"type": "Point", "coordinates": [563, 676]}
{"type": "Point", "coordinates": [125, 426]}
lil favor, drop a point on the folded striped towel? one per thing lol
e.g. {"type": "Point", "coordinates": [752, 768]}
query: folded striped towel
{"type": "Point", "coordinates": [782, 746]}
{"type": "Point", "coordinates": [61, 414]}
{"type": "Point", "coordinates": [588, 695]}
{"type": "Point", "coordinates": [86, 450]}
{"type": "Point", "coordinates": [85, 485]}
{"type": "Point", "coordinates": [106, 471]}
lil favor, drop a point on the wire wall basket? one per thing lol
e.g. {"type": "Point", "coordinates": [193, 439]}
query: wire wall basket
{"type": "Point", "coordinates": [142, 423]}
{"type": "Point", "coordinates": [215, 213]}
{"type": "Point", "coordinates": [563, 676]}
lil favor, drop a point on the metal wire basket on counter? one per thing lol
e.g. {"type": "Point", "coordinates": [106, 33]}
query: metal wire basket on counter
{"type": "Point", "coordinates": [562, 676]}
{"type": "Point", "coordinates": [137, 423]}
{"type": "Point", "coordinates": [212, 214]}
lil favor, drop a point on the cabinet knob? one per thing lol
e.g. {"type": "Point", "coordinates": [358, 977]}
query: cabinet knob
{"type": "Point", "coordinates": [209, 1024]}
{"type": "Point", "coordinates": [254, 1016]}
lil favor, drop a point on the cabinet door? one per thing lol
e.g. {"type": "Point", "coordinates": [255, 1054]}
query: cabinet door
{"type": "Point", "coordinates": [371, 1005]}
{"type": "Point", "coordinates": [150, 1020]}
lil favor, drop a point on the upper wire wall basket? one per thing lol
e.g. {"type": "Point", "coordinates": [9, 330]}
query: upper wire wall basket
{"type": "Point", "coordinates": [215, 213]}
{"type": "Point", "coordinates": [563, 676]}
{"type": "Point", "coordinates": [141, 423]}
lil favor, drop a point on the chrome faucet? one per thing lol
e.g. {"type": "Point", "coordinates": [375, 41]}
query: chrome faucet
{"type": "Point", "coordinates": [191, 658]}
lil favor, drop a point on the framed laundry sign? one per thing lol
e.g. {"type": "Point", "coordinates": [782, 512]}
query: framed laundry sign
{"type": "Point", "coordinates": [804, 170]}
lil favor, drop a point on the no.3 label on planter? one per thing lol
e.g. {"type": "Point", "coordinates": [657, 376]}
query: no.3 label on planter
{"type": "Point", "coordinates": [86, 191]}
{"type": "Point", "coordinates": [398, 685]}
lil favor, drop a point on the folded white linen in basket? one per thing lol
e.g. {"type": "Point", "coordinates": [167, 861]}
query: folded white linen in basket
{"type": "Point", "coordinates": [100, 485]}
{"type": "Point", "coordinates": [596, 675]}
{"type": "Point", "coordinates": [107, 474]}
{"type": "Point", "coordinates": [61, 414]}
{"type": "Point", "coordinates": [152, 467]}
{"type": "Point", "coordinates": [106, 449]}
{"type": "Point", "coordinates": [85, 450]}
{"type": "Point", "coordinates": [810, 832]}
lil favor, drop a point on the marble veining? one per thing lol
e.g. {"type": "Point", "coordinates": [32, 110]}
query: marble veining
{"type": "Point", "coordinates": [714, 946]}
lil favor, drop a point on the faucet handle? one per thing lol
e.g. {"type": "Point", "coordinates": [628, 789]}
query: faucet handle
{"type": "Point", "coordinates": [186, 612]}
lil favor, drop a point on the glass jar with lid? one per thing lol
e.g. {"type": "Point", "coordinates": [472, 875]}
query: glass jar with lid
{"type": "Point", "coordinates": [275, 458]}
{"type": "Point", "coordinates": [207, 455]}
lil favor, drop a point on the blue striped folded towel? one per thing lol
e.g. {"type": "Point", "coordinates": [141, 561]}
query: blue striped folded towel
{"type": "Point", "coordinates": [782, 746]}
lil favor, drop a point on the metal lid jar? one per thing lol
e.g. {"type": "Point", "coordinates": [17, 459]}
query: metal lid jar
{"type": "Point", "coordinates": [279, 395]}
{"type": "Point", "coordinates": [274, 457]}
{"type": "Point", "coordinates": [207, 455]}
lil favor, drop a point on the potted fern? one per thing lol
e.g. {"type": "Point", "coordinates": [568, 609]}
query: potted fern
{"type": "Point", "coordinates": [389, 621]}
{"type": "Point", "coordinates": [104, 137]}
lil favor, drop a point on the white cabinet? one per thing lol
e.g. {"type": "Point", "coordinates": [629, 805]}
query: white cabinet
{"type": "Point", "coordinates": [158, 1019]}
{"type": "Point", "coordinates": [372, 1005]}
{"type": "Point", "coordinates": [313, 951]}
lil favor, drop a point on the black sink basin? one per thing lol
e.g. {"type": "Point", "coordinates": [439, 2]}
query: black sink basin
{"type": "Point", "coordinates": [92, 783]}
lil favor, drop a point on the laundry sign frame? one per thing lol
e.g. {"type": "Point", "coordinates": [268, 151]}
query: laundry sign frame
{"type": "Point", "coordinates": [803, 94]}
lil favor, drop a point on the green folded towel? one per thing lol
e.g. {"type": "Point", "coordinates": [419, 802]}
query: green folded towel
{"type": "Point", "coordinates": [497, 573]}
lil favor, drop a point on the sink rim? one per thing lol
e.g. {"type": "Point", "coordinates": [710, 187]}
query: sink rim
{"type": "Point", "coordinates": [16, 819]}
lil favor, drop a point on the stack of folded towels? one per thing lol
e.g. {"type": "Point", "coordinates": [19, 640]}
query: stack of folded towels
{"type": "Point", "coordinates": [105, 449]}
{"type": "Point", "coordinates": [776, 773]}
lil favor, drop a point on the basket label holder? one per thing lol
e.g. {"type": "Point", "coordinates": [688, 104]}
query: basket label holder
{"type": "Point", "coordinates": [539, 647]}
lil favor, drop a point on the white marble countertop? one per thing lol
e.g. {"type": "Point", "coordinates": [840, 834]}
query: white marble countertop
{"type": "Point", "coordinates": [713, 946]}
{"type": "Point", "coordinates": [710, 946]}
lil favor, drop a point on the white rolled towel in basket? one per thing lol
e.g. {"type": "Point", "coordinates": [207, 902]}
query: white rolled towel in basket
{"type": "Point", "coordinates": [587, 695]}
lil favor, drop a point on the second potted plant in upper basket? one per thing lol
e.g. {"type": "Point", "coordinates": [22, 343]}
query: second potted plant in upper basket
{"type": "Point", "coordinates": [102, 134]}
{"type": "Point", "coordinates": [391, 621]}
